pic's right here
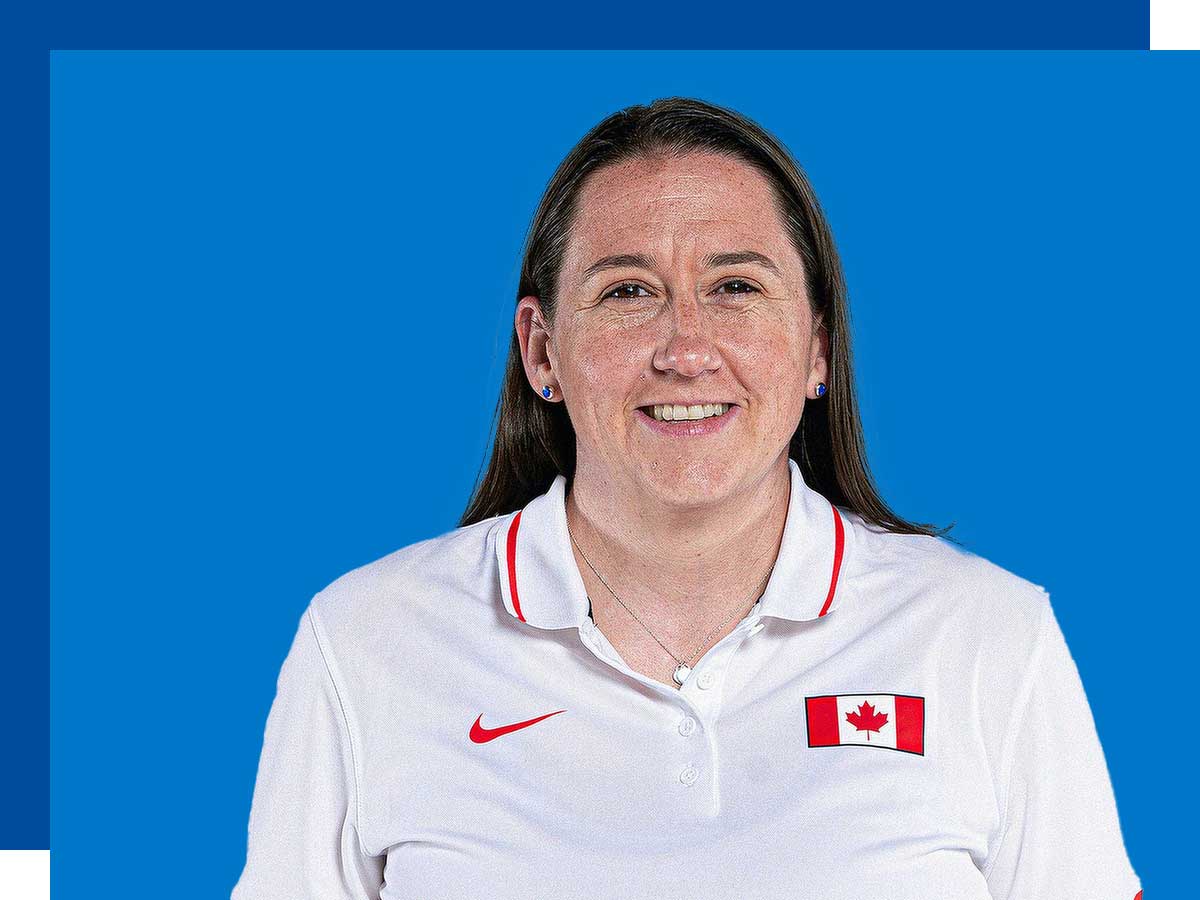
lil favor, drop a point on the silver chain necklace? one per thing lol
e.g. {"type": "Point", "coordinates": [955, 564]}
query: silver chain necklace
{"type": "Point", "coordinates": [684, 669]}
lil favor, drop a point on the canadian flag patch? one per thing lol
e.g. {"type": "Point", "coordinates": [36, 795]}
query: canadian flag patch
{"type": "Point", "coordinates": [890, 721]}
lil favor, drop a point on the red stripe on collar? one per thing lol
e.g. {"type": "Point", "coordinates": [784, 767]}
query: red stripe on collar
{"type": "Point", "coordinates": [511, 549]}
{"type": "Point", "coordinates": [839, 540]}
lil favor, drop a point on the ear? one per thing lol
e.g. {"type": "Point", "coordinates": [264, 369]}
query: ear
{"type": "Point", "coordinates": [537, 352]}
{"type": "Point", "coordinates": [819, 353]}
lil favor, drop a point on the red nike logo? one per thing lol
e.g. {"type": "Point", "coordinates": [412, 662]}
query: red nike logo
{"type": "Point", "coordinates": [481, 735]}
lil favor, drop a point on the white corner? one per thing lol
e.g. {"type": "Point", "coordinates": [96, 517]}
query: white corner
{"type": "Point", "coordinates": [1175, 24]}
{"type": "Point", "coordinates": [25, 874]}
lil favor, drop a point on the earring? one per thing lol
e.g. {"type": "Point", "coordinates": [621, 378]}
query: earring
{"type": "Point", "coordinates": [547, 391]}
{"type": "Point", "coordinates": [820, 388]}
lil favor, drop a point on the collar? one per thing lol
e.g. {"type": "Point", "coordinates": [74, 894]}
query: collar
{"type": "Point", "coordinates": [541, 584]}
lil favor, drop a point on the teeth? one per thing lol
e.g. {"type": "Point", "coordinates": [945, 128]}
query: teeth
{"type": "Point", "coordinates": [668, 412]}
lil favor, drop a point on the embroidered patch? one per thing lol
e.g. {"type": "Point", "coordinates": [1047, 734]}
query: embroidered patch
{"type": "Point", "coordinates": [890, 721]}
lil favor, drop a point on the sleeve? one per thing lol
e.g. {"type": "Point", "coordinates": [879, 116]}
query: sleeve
{"type": "Point", "coordinates": [1060, 837]}
{"type": "Point", "coordinates": [303, 837]}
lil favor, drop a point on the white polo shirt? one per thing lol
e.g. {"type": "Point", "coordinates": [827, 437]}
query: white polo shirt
{"type": "Point", "coordinates": [896, 718]}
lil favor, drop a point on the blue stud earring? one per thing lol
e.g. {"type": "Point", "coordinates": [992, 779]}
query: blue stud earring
{"type": "Point", "coordinates": [820, 388]}
{"type": "Point", "coordinates": [547, 391]}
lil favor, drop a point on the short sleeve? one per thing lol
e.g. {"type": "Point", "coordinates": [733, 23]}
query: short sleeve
{"type": "Point", "coordinates": [303, 836]}
{"type": "Point", "coordinates": [1061, 838]}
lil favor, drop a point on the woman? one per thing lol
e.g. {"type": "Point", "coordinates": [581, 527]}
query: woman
{"type": "Point", "coordinates": [679, 646]}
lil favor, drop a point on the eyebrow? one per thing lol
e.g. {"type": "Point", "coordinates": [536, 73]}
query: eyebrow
{"type": "Point", "coordinates": [712, 261]}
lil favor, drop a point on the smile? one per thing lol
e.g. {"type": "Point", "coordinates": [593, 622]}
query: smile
{"type": "Point", "coordinates": [677, 412]}
{"type": "Point", "coordinates": [660, 418]}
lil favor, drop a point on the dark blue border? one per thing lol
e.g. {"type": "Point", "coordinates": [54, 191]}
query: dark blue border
{"type": "Point", "coordinates": [25, 532]}
{"type": "Point", "coordinates": [865, 25]}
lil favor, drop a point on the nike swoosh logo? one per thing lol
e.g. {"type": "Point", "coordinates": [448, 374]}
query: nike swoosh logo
{"type": "Point", "coordinates": [481, 735]}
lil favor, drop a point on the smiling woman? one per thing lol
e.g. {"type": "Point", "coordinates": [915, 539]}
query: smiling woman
{"type": "Point", "coordinates": [683, 216]}
{"type": "Point", "coordinates": [676, 613]}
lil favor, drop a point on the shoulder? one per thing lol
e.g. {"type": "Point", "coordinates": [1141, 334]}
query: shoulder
{"type": "Point", "coordinates": [967, 595]}
{"type": "Point", "coordinates": [973, 625]}
{"type": "Point", "coordinates": [418, 586]}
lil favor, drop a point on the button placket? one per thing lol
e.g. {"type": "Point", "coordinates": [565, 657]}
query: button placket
{"type": "Point", "coordinates": [704, 691]}
{"type": "Point", "coordinates": [713, 662]}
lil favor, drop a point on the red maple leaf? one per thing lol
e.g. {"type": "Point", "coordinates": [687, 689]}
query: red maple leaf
{"type": "Point", "coordinates": [866, 719]}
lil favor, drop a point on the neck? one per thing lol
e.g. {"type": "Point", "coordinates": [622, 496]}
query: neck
{"type": "Point", "coordinates": [677, 565]}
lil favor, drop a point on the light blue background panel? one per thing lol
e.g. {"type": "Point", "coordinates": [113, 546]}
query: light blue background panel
{"type": "Point", "coordinates": [282, 289]}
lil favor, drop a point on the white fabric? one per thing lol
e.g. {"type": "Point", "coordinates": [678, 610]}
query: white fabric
{"type": "Point", "coordinates": [370, 786]}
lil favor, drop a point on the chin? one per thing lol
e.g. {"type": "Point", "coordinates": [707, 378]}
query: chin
{"type": "Point", "coordinates": [687, 482]}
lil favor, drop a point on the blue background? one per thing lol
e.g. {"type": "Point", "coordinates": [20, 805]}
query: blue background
{"type": "Point", "coordinates": [281, 292]}
{"type": "Point", "coordinates": [806, 24]}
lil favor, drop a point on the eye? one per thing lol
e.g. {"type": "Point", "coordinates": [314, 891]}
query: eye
{"type": "Point", "coordinates": [733, 287]}
{"type": "Point", "coordinates": [621, 287]}
{"type": "Point", "coordinates": [746, 287]}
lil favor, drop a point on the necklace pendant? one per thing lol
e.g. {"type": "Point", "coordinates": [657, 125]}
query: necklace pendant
{"type": "Point", "coordinates": [681, 673]}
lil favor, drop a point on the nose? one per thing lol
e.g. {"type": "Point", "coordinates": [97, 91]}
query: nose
{"type": "Point", "coordinates": [689, 349]}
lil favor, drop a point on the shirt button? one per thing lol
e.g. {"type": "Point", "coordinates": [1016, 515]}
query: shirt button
{"type": "Point", "coordinates": [687, 726]}
{"type": "Point", "coordinates": [689, 774]}
{"type": "Point", "coordinates": [705, 679]}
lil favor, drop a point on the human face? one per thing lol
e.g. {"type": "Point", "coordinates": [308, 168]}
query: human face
{"type": "Point", "coordinates": [671, 327]}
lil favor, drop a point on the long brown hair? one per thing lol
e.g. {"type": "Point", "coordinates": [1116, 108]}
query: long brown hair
{"type": "Point", "coordinates": [534, 440]}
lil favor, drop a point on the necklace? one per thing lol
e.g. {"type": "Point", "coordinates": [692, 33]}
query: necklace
{"type": "Point", "coordinates": [684, 669]}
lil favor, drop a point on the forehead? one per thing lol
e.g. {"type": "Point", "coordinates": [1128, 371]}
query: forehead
{"type": "Point", "coordinates": [701, 202]}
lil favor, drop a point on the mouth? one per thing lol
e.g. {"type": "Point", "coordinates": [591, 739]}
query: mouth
{"type": "Point", "coordinates": [695, 419]}
{"type": "Point", "coordinates": [685, 412]}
